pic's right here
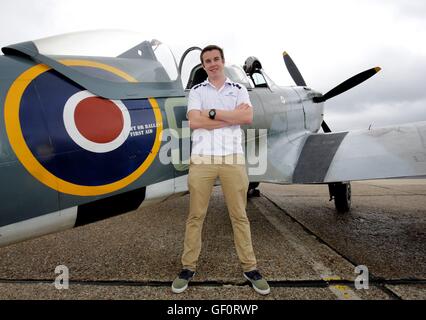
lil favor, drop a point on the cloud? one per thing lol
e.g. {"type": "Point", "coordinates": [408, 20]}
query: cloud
{"type": "Point", "coordinates": [19, 18]}
{"type": "Point", "coordinates": [396, 94]}
{"type": "Point", "coordinates": [330, 41]}
{"type": "Point", "coordinates": [376, 115]}
{"type": "Point", "coordinates": [407, 9]}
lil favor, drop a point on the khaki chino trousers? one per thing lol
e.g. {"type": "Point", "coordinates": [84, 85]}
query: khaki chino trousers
{"type": "Point", "coordinates": [203, 172]}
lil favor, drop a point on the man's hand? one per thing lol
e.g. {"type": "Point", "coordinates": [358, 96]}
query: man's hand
{"type": "Point", "coordinates": [205, 113]}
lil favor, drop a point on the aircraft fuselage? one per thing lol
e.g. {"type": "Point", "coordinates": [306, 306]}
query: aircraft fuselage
{"type": "Point", "coordinates": [64, 162]}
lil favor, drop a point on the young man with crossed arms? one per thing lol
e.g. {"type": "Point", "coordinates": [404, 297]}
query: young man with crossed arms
{"type": "Point", "coordinates": [216, 109]}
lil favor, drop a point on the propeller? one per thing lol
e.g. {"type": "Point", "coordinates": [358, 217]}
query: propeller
{"type": "Point", "coordinates": [298, 79]}
{"type": "Point", "coordinates": [348, 84]}
{"type": "Point", "coordinates": [344, 86]}
{"type": "Point", "coordinates": [325, 127]}
{"type": "Point", "coordinates": [292, 69]}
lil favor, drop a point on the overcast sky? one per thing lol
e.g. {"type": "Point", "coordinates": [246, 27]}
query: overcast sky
{"type": "Point", "coordinates": [329, 40]}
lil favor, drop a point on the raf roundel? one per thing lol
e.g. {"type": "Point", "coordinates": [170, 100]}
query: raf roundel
{"type": "Point", "coordinates": [75, 142]}
{"type": "Point", "coordinates": [96, 124]}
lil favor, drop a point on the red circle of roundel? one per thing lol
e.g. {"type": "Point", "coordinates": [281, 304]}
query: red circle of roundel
{"type": "Point", "coordinates": [98, 120]}
{"type": "Point", "coordinates": [112, 129]}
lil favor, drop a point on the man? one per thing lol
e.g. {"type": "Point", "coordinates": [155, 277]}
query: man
{"type": "Point", "coordinates": [216, 109]}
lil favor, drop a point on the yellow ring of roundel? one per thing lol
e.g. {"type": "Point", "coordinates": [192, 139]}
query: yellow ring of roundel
{"type": "Point", "coordinates": [24, 154]}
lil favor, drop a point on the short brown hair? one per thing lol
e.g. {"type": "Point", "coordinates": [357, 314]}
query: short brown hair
{"type": "Point", "coordinates": [210, 48]}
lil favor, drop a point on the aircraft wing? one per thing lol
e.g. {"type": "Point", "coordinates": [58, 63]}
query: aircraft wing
{"type": "Point", "coordinates": [388, 152]}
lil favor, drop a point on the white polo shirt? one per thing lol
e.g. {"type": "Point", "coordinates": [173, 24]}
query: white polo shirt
{"type": "Point", "coordinates": [222, 141]}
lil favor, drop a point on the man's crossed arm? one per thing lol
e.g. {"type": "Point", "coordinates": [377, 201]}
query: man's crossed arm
{"type": "Point", "coordinates": [242, 114]}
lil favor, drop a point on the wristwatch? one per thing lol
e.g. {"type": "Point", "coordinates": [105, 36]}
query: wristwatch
{"type": "Point", "coordinates": [212, 114]}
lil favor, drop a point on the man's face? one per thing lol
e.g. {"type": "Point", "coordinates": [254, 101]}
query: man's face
{"type": "Point", "coordinates": [213, 63]}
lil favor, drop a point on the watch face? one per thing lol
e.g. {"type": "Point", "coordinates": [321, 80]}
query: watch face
{"type": "Point", "coordinates": [212, 114]}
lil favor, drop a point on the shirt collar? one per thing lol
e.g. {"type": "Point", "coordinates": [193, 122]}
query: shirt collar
{"type": "Point", "coordinates": [227, 81]}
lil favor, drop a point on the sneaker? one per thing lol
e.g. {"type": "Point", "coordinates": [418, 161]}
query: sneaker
{"type": "Point", "coordinates": [259, 284]}
{"type": "Point", "coordinates": [181, 282]}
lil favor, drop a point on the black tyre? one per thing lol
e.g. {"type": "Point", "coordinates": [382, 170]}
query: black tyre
{"type": "Point", "coordinates": [253, 185]}
{"type": "Point", "coordinates": [342, 197]}
{"type": "Point", "coordinates": [252, 191]}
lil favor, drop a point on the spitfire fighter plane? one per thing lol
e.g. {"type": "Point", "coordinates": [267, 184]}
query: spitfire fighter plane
{"type": "Point", "coordinates": [83, 133]}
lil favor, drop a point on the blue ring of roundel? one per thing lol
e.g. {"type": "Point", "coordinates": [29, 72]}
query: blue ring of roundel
{"type": "Point", "coordinates": [41, 118]}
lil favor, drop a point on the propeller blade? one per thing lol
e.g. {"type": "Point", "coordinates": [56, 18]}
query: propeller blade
{"type": "Point", "coordinates": [348, 84]}
{"type": "Point", "coordinates": [325, 127]}
{"type": "Point", "coordinates": [292, 69]}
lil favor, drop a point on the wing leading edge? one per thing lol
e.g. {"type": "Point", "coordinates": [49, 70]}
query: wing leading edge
{"type": "Point", "coordinates": [389, 152]}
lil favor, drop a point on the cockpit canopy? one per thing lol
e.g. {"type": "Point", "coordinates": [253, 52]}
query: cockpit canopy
{"type": "Point", "coordinates": [146, 61]}
{"type": "Point", "coordinates": [112, 64]}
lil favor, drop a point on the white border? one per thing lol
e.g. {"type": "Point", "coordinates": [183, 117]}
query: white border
{"type": "Point", "coordinates": [77, 137]}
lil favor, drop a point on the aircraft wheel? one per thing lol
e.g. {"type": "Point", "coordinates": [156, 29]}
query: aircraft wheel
{"type": "Point", "coordinates": [341, 192]}
{"type": "Point", "coordinates": [252, 191]}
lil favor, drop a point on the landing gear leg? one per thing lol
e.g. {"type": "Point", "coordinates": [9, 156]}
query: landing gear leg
{"type": "Point", "coordinates": [341, 193]}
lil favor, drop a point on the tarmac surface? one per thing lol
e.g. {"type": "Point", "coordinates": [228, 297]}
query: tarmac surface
{"type": "Point", "coordinates": [305, 249]}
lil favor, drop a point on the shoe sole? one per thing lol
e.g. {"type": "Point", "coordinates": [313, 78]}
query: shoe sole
{"type": "Point", "coordinates": [262, 292]}
{"type": "Point", "coordinates": [176, 290]}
